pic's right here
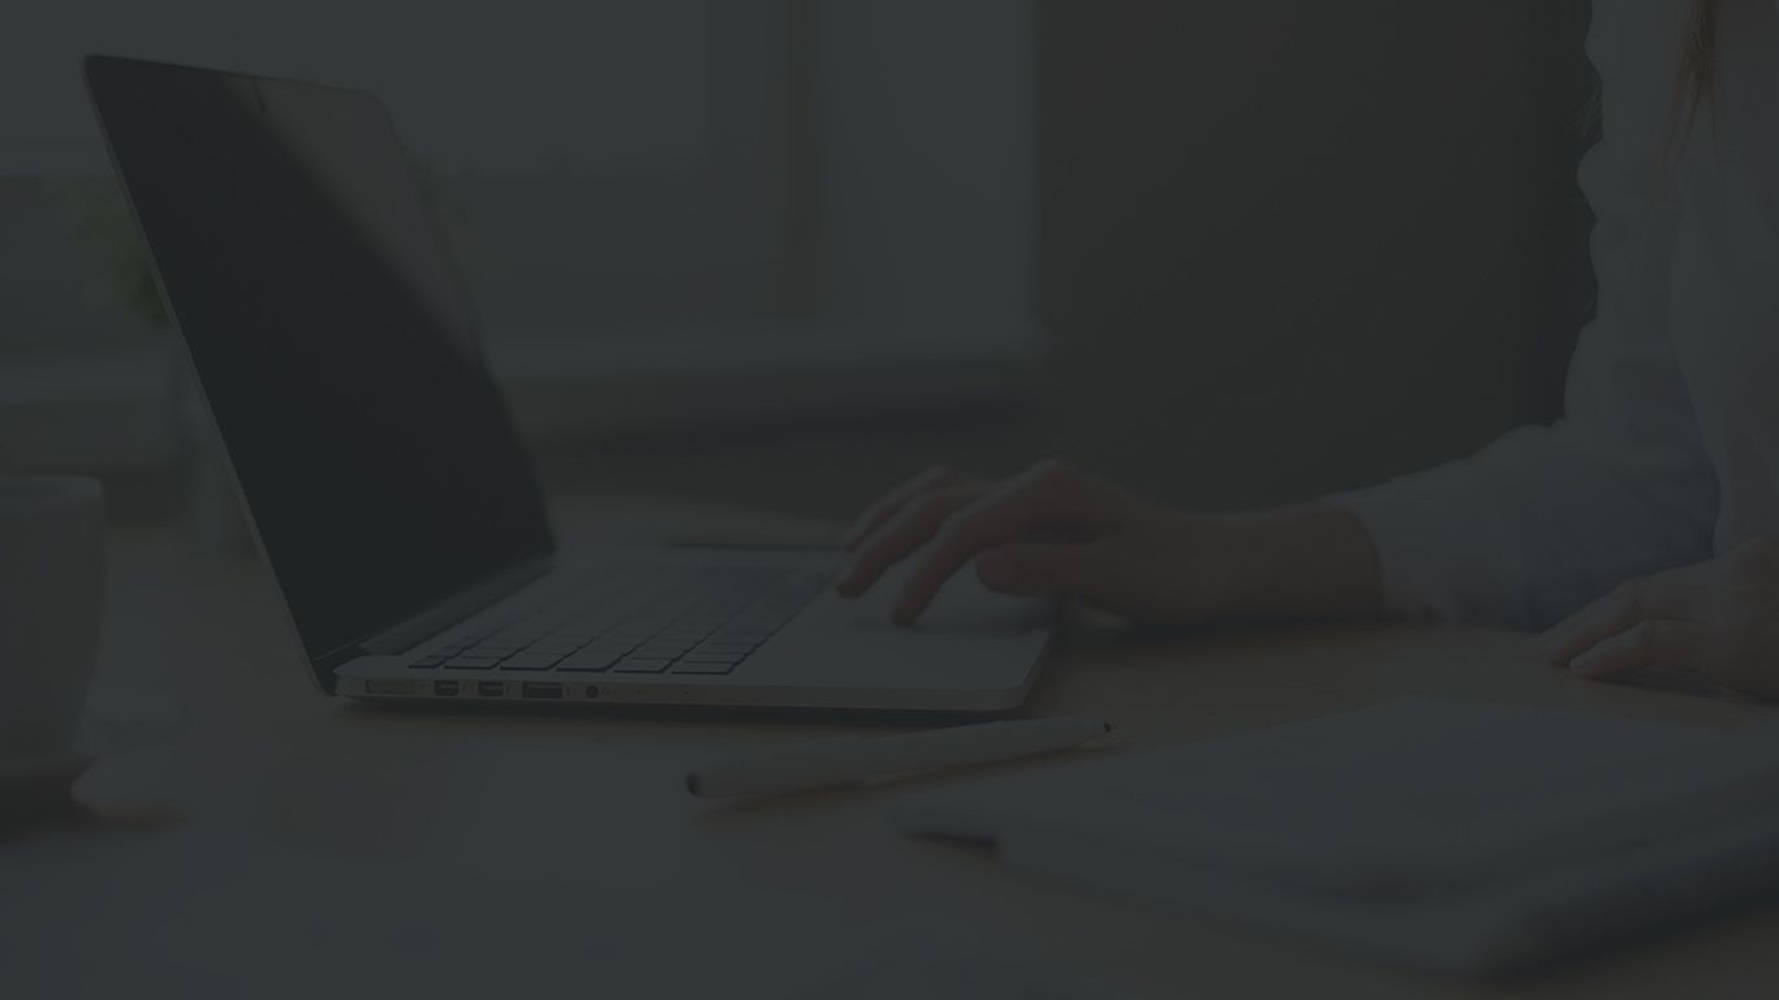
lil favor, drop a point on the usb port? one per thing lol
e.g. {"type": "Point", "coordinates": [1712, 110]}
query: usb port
{"type": "Point", "coordinates": [389, 687]}
{"type": "Point", "coordinates": [445, 688]}
{"type": "Point", "coordinates": [490, 689]}
{"type": "Point", "coordinates": [540, 689]}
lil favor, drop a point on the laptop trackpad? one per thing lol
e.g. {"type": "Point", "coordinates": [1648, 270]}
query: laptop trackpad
{"type": "Point", "coordinates": [963, 606]}
{"type": "Point", "coordinates": [969, 638]}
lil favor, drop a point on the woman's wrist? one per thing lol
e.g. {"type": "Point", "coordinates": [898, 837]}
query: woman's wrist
{"type": "Point", "coordinates": [1313, 561]}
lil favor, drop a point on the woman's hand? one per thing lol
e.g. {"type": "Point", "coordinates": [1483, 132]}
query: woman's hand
{"type": "Point", "coordinates": [1719, 619]}
{"type": "Point", "coordinates": [1055, 532]}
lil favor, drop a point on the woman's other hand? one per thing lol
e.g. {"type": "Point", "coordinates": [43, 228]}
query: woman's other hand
{"type": "Point", "coordinates": [1718, 618]}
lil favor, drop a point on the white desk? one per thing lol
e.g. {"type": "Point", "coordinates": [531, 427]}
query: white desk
{"type": "Point", "coordinates": [595, 800]}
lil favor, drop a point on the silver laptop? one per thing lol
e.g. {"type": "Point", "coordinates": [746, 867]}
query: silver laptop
{"type": "Point", "coordinates": [385, 481]}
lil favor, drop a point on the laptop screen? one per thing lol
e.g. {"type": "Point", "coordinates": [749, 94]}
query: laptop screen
{"type": "Point", "coordinates": [334, 342]}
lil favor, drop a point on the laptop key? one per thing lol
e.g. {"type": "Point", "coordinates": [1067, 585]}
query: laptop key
{"type": "Point", "coordinates": [530, 661]}
{"type": "Point", "coordinates": [727, 647]}
{"type": "Point", "coordinates": [607, 646]}
{"type": "Point", "coordinates": [733, 655]}
{"type": "Point", "coordinates": [591, 661]}
{"type": "Point", "coordinates": [689, 666]}
{"type": "Point", "coordinates": [473, 662]}
{"type": "Point", "coordinates": [427, 662]}
{"type": "Point", "coordinates": [667, 650]}
{"type": "Point", "coordinates": [556, 649]}
{"type": "Point", "coordinates": [741, 633]}
{"type": "Point", "coordinates": [494, 649]}
{"type": "Point", "coordinates": [641, 665]}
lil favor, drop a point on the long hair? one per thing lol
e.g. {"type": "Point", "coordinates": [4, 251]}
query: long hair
{"type": "Point", "coordinates": [1697, 86]}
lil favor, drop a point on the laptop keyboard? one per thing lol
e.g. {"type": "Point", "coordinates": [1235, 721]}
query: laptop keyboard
{"type": "Point", "coordinates": [703, 620]}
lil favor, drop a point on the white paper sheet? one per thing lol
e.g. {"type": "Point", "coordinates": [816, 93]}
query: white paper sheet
{"type": "Point", "coordinates": [1457, 836]}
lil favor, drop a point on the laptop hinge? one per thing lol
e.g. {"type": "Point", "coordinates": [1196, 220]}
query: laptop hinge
{"type": "Point", "coordinates": [454, 609]}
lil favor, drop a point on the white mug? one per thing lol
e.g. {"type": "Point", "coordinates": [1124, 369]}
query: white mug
{"type": "Point", "coordinates": [52, 585]}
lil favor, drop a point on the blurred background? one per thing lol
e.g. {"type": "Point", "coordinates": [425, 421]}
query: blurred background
{"type": "Point", "coordinates": [782, 253]}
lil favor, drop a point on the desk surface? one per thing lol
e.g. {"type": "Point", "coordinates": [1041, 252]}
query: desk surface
{"type": "Point", "coordinates": [486, 792]}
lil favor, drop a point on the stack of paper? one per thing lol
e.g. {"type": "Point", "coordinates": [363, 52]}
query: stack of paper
{"type": "Point", "coordinates": [1465, 837]}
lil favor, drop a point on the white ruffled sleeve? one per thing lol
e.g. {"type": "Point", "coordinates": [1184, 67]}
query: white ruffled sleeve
{"type": "Point", "coordinates": [1546, 518]}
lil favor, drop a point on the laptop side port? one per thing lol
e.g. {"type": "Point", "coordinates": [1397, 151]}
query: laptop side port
{"type": "Point", "coordinates": [541, 689]}
{"type": "Point", "coordinates": [490, 689]}
{"type": "Point", "coordinates": [592, 690]}
{"type": "Point", "coordinates": [446, 688]}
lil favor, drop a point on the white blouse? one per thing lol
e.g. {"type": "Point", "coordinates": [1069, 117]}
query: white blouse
{"type": "Point", "coordinates": [1669, 449]}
